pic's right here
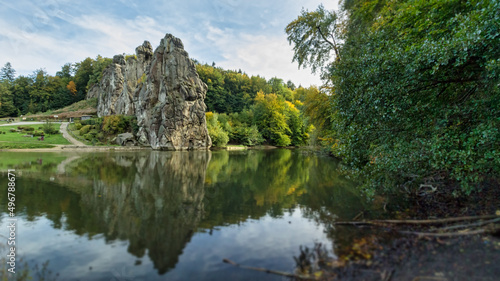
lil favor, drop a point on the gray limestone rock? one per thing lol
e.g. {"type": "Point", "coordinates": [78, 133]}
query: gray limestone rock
{"type": "Point", "coordinates": [126, 139]}
{"type": "Point", "coordinates": [163, 90]}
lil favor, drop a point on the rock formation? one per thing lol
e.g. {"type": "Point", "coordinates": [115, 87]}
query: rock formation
{"type": "Point", "coordinates": [163, 90]}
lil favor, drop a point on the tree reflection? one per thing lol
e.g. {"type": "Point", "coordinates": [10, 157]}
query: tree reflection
{"type": "Point", "coordinates": [157, 200]}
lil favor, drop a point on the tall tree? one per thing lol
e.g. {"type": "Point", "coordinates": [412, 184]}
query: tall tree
{"type": "Point", "coordinates": [7, 73]}
{"type": "Point", "coordinates": [414, 97]}
{"type": "Point", "coordinates": [314, 35]}
{"type": "Point", "coordinates": [7, 107]}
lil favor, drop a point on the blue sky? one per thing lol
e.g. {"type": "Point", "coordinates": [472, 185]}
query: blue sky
{"type": "Point", "coordinates": [235, 34]}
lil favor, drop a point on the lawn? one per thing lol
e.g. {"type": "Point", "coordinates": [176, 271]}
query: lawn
{"type": "Point", "coordinates": [17, 145]}
{"type": "Point", "coordinates": [19, 138]}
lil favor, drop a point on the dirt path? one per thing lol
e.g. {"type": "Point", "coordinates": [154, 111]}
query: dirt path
{"type": "Point", "coordinates": [66, 135]}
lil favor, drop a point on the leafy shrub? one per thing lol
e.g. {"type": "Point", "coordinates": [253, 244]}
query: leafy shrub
{"type": "Point", "coordinates": [84, 130]}
{"type": "Point", "coordinates": [117, 124]}
{"type": "Point", "coordinates": [78, 126]}
{"type": "Point", "coordinates": [28, 129]}
{"type": "Point", "coordinates": [282, 140]}
{"type": "Point", "coordinates": [100, 136]}
{"type": "Point", "coordinates": [50, 129]}
{"type": "Point", "coordinates": [127, 57]}
{"type": "Point", "coordinates": [219, 137]}
{"type": "Point", "coordinates": [38, 133]}
{"type": "Point", "coordinates": [247, 135]}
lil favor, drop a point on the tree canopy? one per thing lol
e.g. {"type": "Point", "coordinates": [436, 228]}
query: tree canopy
{"type": "Point", "coordinates": [415, 97]}
{"type": "Point", "coordinates": [40, 91]}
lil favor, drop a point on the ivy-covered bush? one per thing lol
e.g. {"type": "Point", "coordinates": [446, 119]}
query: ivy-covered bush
{"type": "Point", "coordinates": [85, 129]}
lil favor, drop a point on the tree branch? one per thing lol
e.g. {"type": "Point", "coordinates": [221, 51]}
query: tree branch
{"type": "Point", "coordinates": [334, 46]}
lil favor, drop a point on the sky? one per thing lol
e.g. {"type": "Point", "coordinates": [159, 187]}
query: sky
{"type": "Point", "coordinates": [235, 34]}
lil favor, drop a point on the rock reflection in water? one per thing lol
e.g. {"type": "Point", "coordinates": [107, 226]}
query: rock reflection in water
{"type": "Point", "coordinates": [156, 204]}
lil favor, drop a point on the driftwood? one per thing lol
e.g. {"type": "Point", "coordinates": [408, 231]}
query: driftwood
{"type": "Point", "coordinates": [281, 273]}
{"type": "Point", "coordinates": [419, 222]}
{"type": "Point", "coordinates": [438, 232]}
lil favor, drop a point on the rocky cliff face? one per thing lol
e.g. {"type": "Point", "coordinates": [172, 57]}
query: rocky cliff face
{"type": "Point", "coordinates": [163, 90]}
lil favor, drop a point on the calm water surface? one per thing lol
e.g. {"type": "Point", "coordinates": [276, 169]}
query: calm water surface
{"type": "Point", "coordinates": [173, 215]}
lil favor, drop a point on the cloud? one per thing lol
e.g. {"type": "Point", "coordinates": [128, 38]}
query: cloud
{"type": "Point", "coordinates": [236, 34]}
{"type": "Point", "coordinates": [264, 55]}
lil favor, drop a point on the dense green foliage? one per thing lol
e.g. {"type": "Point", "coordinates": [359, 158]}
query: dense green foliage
{"type": "Point", "coordinates": [250, 110]}
{"type": "Point", "coordinates": [41, 92]}
{"type": "Point", "coordinates": [416, 97]}
{"type": "Point", "coordinates": [230, 91]}
{"type": "Point", "coordinates": [103, 130]}
{"type": "Point", "coordinates": [218, 135]}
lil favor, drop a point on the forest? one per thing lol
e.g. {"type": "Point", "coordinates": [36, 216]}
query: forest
{"type": "Point", "coordinates": [414, 94]}
{"type": "Point", "coordinates": [41, 92]}
{"type": "Point", "coordinates": [240, 109]}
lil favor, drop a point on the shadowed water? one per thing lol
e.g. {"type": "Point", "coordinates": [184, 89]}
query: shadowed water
{"type": "Point", "coordinates": [174, 215]}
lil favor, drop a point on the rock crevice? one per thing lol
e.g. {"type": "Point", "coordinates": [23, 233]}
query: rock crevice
{"type": "Point", "coordinates": [163, 90]}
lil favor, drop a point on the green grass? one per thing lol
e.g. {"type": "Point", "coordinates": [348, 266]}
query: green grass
{"type": "Point", "coordinates": [18, 137]}
{"type": "Point", "coordinates": [83, 104]}
{"type": "Point", "coordinates": [90, 104]}
{"type": "Point", "coordinates": [18, 145]}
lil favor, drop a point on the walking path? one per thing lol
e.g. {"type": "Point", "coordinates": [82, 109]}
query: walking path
{"type": "Point", "coordinates": [22, 123]}
{"type": "Point", "coordinates": [66, 135]}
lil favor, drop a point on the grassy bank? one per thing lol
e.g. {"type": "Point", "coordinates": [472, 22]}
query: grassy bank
{"type": "Point", "coordinates": [16, 145]}
{"type": "Point", "coordinates": [27, 139]}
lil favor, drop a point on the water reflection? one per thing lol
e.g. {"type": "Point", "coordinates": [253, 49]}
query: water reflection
{"type": "Point", "coordinates": [158, 202]}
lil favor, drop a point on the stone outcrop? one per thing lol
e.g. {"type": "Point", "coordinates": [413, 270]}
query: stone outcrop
{"type": "Point", "coordinates": [163, 90]}
{"type": "Point", "coordinates": [125, 139]}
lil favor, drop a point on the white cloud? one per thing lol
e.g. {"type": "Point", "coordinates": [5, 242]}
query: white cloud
{"type": "Point", "coordinates": [264, 55]}
{"type": "Point", "coordinates": [235, 34]}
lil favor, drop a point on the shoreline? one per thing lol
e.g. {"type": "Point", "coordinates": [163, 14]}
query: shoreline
{"type": "Point", "coordinates": [87, 148]}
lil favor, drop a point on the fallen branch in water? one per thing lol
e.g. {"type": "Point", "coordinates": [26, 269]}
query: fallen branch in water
{"type": "Point", "coordinates": [281, 273]}
{"type": "Point", "coordinates": [468, 225]}
{"type": "Point", "coordinates": [446, 234]}
{"type": "Point", "coordinates": [434, 221]}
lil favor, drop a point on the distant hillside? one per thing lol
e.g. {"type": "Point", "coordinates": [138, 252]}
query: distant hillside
{"type": "Point", "coordinates": [77, 109]}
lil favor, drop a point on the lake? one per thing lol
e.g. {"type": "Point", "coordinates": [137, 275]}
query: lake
{"type": "Point", "coordinates": [153, 215]}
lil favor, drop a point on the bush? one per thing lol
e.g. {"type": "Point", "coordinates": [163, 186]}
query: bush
{"type": "Point", "coordinates": [282, 139]}
{"type": "Point", "coordinates": [12, 130]}
{"type": "Point", "coordinates": [50, 129]}
{"type": "Point", "coordinates": [84, 130]}
{"type": "Point", "coordinates": [117, 124]}
{"type": "Point", "coordinates": [38, 133]}
{"type": "Point", "coordinates": [219, 137]}
{"type": "Point", "coordinates": [78, 126]}
{"type": "Point", "coordinates": [29, 129]}
{"type": "Point", "coordinates": [247, 135]}
{"type": "Point", "coordinates": [88, 122]}
{"type": "Point", "coordinates": [217, 134]}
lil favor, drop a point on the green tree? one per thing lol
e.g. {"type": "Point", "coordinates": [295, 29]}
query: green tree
{"type": "Point", "coordinates": [416, 97]}
{"type": "Point", "coordinates": [7, 73]}
{"type": "Point", "coordinates": [83, 72]}
{"type": "Point", "coordinates": [219, 137]}
{"type": "Point", "coordinates": [270, 118]}
{"type": "Point", "coordinates": [7, 107]}
{"type": "Point", "coordinates": [314, 35]}
{"type": "Point", "coordinates": [66, 71]}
